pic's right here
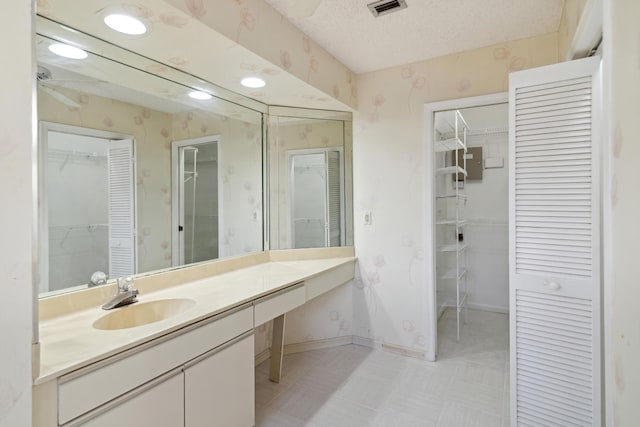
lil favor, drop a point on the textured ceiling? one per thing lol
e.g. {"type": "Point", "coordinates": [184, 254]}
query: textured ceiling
{"type": "Point", "coordinates": [425, 29]}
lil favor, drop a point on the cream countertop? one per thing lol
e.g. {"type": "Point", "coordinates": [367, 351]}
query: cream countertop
{"type": "Point", "coordinates": [69, 342]}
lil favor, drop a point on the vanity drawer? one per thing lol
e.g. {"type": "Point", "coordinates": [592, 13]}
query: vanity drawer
{"type": "Point", "coordinates": [324, 282]}
{"type": "Point", "coordinates": [272, 306]}
{"type": "Point", "coordinates": [95, 385]}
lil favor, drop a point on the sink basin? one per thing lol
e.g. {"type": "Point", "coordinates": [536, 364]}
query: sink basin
{"type": "Point", "coordinates": [139, 314]}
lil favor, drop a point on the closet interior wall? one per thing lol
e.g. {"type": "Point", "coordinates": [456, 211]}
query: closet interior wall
{"type": "Point", "coordinates": [485, 212]}
{"type": "Point", "coordinates": [487, 232]}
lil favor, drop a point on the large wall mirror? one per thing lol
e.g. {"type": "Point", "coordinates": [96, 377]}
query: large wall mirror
{"type": "Point", "coordinates": [310, 169]}
{"type": "Point", "coordinates": [141, 168]}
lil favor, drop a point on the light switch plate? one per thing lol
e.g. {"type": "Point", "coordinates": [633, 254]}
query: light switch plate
{"type": "Point", "coordinates": [366, 217]}
{"type": "Point", "coordinates": [493, 162]}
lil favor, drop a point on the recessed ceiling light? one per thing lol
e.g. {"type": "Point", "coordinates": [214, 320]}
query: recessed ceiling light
{"type": "Point", "coordinates": [125, 24]}
{"type": "Point", "coordinates": [67, 51]}
{"type": "Point", "coordinates": [253, 82]}
{"type": "Point", "coordinates": [196, 94]}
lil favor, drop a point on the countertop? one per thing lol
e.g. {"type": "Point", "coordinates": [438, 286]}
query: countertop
{"type": "Point", "coordinates": [70, 342]}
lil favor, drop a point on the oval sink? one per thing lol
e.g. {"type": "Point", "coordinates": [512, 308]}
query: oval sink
{"type": "Point", "coordinates": [143, 313]}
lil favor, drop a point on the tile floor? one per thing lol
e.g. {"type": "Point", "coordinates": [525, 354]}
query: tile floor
{"type": "Point", "coordinates": [358, 386]}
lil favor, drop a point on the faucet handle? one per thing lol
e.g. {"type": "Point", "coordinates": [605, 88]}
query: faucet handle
{"type": "Point", "coordinates": [125, 284]}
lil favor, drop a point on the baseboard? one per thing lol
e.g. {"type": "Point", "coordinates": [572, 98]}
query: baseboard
{"type": "Point", "coordinates": [318, 344]}
{"type": "Point", "coordinates": [262, 356]}
{"type": "Point", "coordinates": [491, 308]}
{"type": "Point", "coordinates": [404, 351]}
{"type": "Point", "coordinates": [306, 346]}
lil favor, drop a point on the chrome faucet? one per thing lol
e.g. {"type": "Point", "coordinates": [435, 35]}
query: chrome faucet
{"type": "Point", "coordinates": [126, 294]}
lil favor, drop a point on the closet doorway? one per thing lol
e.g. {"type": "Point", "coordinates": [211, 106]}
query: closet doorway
{"type": "Point", "coordinates": [468, 218]}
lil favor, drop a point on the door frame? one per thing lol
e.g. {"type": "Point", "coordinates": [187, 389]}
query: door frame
{"type": "Point", "coordinates": [429, 218]}
{"type": "Point", "coordinates": [44, 127]}
{"type": "Point", "coordinates": [175, 191]}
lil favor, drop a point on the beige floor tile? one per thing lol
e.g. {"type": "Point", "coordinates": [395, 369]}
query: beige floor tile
{"type": "Point", "coordinates": [455, 414]}
{"type": "Point", "coordinates": [357, 386]}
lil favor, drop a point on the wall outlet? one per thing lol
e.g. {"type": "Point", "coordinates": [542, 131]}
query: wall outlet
{"type": "Point", "coordinates": [366, 217]}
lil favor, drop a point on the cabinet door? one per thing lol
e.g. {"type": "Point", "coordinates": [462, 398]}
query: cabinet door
{"type": "Point", "coordinates": [555, 245]}
{"type": "Point", "coordinates": [220, 387]}
{"type": "Point", "coordinates": [159, 404]}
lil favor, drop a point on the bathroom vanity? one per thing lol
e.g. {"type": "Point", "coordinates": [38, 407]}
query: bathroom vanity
{"type": "Point", "coordinates": [182, 355]}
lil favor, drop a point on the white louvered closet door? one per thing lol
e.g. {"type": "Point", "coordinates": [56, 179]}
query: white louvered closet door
{"type": "Point", "coordinates": [121, 209]}
{"type": "Point", "coordinates": [555, 245]}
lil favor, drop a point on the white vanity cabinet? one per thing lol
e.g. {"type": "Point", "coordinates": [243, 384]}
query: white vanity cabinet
{"type": "Point", "coordinates": [159, 404]}
{"type": "Point", "coordinates": [219, 387]}
{"type": "Point", "coordinates": [145, 385]}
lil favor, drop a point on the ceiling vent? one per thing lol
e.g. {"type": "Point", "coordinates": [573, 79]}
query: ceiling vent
{"type": "Point", "coordinates": [384, 7]}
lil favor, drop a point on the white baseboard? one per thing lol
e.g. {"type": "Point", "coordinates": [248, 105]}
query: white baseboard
{"type": "Point", "coordinates": [491, 308]}
{"type": "Point", "coordinates": [318, 344]}
{"type": "Point", "coordinates": [306, 346]}
{"type": "Point", "coordinates": [404, 351]}
{"type": "Point", "coordinates": [262, 356]}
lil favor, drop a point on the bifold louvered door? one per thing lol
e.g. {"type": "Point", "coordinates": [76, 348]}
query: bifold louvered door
{"type": "Point", "coordinates": [121, 209]}
{"type": "Point", "coordinates": [554, 245]}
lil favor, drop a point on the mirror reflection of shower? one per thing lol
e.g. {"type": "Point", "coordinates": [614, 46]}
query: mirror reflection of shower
{"type": "Point", "coordinates": [196, 207]}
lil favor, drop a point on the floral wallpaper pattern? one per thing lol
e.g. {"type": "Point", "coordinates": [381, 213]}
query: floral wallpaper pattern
{"type": "Point", "coordinates": [261, 29]}
{"type": "Point", "coordinates": [390, 292]}
{"type": "Point", "coordinates": [621, 292]}
{"type": "Point", "coordinates": [568, 25]}
{"type": "Point", "coordinates": [241, 166]}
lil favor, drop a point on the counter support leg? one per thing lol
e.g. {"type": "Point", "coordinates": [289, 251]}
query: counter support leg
{"type": "Point", "coordinates": [277, 347]}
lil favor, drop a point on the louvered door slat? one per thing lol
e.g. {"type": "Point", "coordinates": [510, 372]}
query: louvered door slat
{"type": "Point", "coordinates": [557, 382]}
{"type": "Point", "coordinates": [557, 398]}
{"type": "Point", "coordinates": [575, 144]}
{"type": "Point", "coordinates": [557, 102]}
{"type": "Point", "coordinates": [568, 375]}
{"type": "Point", "coordinates": [568, 107]}
{"type": "Point", "coordinates": [554, 246]}
{"type": "Point", "coordinates": [555, 114]}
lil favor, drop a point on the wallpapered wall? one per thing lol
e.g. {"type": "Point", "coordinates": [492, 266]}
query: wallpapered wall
{"type": "Point", "coordinates": [568, 25]}
{"type": "Point", "coordinates": [390, 293]}
{"type": "Point", "coordinates": [241, 160]}
{"type": "Point", "coordinates": [16, 190]}
{"type": "Point", "coordinates": [260, 28]}
{"type": "Point", "coordinates": [622, 293]}
{"type": "Point", "coordinates": [241, 178]}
